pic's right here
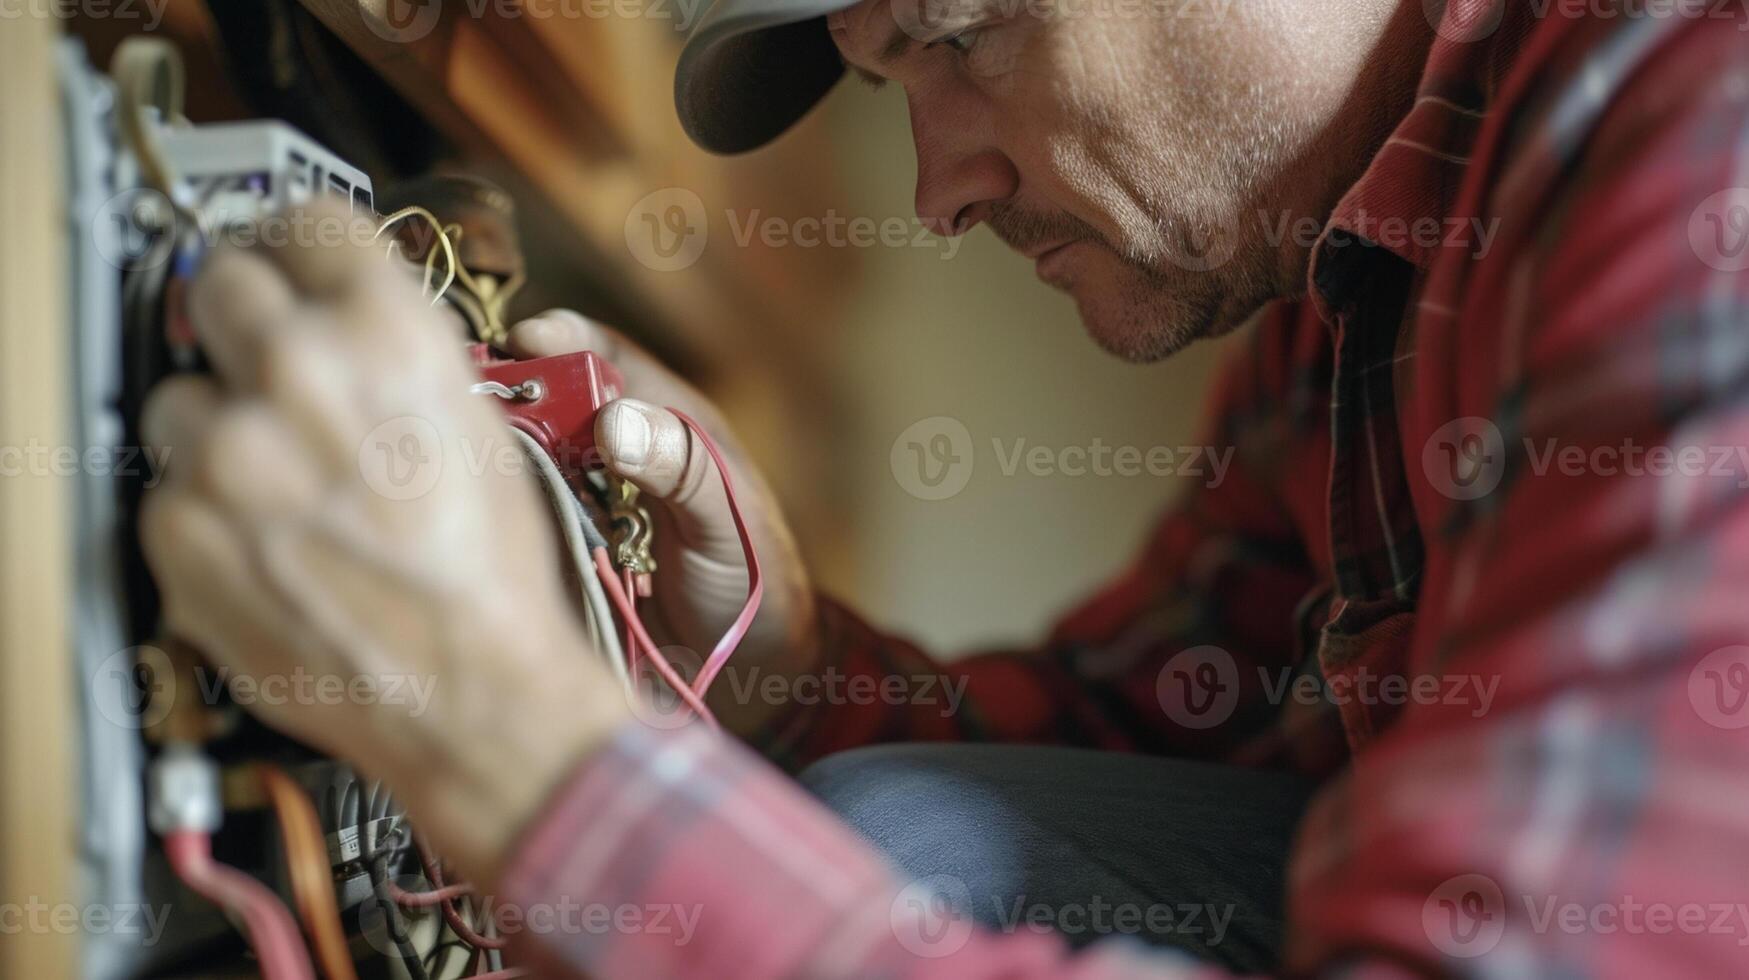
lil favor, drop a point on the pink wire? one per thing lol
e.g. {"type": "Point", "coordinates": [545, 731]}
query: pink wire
{"type": "Point", "coordinates": [755, 581]}
{"type": "Point", "coordinates": [616, 593]}
{"type": "Point", "coordinates": [622, 591]}
{"type": "Point", "coordinates": [629, 641]}
{"type": "Point", "coordinates": [420, 900]}
{"type": "Point", "coordinates": [271, 931]}
{"type": "Point", "coordinates": [451, 914]}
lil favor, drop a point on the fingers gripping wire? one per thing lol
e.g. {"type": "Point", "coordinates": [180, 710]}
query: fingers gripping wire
{"type": "Point", "coordinates": [693, 694]}
{"type": "Point", "coordinates": [755, 581]}
{"type": "Point", "coordinates": [607, 590]}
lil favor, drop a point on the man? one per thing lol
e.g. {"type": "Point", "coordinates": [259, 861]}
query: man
{"type": "Point", "coordinates": [1473, 584]}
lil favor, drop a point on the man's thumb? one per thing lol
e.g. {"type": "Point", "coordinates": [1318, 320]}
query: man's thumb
{"type": "Point", "coordinates": [651, 448]}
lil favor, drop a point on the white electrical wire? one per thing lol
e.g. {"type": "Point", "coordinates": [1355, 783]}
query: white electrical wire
{"type": "Point", "coordinates": [597, 613]}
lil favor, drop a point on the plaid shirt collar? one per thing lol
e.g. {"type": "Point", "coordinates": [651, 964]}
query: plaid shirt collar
{"type": "Point", "coordinates": [1367, 271]}
{"type": "Point", "coordinates": [1404, 205]}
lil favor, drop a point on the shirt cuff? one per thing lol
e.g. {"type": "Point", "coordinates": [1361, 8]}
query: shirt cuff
{"type": "Point", "coordinates": [681, 855]}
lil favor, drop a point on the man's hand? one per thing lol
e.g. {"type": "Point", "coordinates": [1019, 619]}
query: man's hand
{"type": "Point", "coordinates": [701, 577]}
{"type": "Point", "coordinates": [334, 514]}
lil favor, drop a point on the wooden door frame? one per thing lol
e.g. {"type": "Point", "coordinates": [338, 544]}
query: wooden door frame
{"type": "Point", "coordinates": [38, 731]}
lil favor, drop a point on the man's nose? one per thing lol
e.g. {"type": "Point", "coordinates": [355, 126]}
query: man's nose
{"type": "Point", "coordinates": [959, 175]}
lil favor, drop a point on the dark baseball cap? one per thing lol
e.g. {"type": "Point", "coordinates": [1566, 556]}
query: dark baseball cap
{"type": "Point", "coordinates": [751, 68]}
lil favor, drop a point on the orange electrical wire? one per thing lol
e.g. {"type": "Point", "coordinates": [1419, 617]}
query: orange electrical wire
{"type": "Point", "coordinates": [312, 878]}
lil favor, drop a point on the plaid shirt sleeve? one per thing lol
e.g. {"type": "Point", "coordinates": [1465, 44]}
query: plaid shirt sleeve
{"type": "Point", "coordinates": [1226, 569]}
{"type": "Point", "coordinates": [1589, 821]}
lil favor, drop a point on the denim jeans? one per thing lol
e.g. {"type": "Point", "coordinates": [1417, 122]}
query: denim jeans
{"type": "Point", "coordinates": [1085, 843]}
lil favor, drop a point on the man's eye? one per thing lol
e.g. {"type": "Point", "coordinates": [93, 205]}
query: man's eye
{"type": "Point", "coordinates": [962, 41]}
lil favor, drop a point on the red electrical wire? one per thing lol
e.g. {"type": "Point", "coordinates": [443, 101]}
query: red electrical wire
{"type": "Point", "coordinates": [616, 593]}
{"type": "Point", "coordinates": [452, 915]}
{"type": "Point", "coordinates": [629, 643]}
{"type": "Point", "coordinates": [269, 926]}
{"type": "Point", "coordinates": [622, 592]}
{"type": "Point", "coordinates": [422, 900]}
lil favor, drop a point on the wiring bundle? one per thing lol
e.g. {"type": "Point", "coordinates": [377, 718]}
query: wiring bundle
{"type": "Point", "coordinates": [345, 855]}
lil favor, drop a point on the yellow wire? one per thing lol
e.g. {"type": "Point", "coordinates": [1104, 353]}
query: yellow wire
{"type": "Point", "coordinates": [490, 308]}
{"type": "Point", "coordinates": [431, 257]}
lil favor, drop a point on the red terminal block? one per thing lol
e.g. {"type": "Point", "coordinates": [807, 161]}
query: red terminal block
{"type": "Point", "coordinates": [554, 399]}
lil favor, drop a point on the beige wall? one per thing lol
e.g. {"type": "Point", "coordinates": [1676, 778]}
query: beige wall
{"type": "Point", "coordinates": [979, 339]}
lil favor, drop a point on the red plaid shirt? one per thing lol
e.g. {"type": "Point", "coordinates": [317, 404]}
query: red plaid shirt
{"type": "Point", "coordinates": [1473, 562]}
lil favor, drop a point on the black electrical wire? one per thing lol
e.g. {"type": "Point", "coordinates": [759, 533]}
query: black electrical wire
{"type": "Point", "coordinates": [377, 861]}
{"type": "Point", "coordinates": [439, 957]}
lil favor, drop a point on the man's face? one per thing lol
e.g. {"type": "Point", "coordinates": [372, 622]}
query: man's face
{"type": "Point", "coordinates": [1145, 153]}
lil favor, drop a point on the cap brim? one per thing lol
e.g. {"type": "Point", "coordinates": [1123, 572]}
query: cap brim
{"type": "Point", "coordinates": [752, 68]}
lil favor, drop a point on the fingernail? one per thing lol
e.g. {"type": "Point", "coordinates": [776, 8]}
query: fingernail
{"type": "Point", "coordinates": [632, 435]}
{"type": "Point", "coordinates": [535, 332]}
